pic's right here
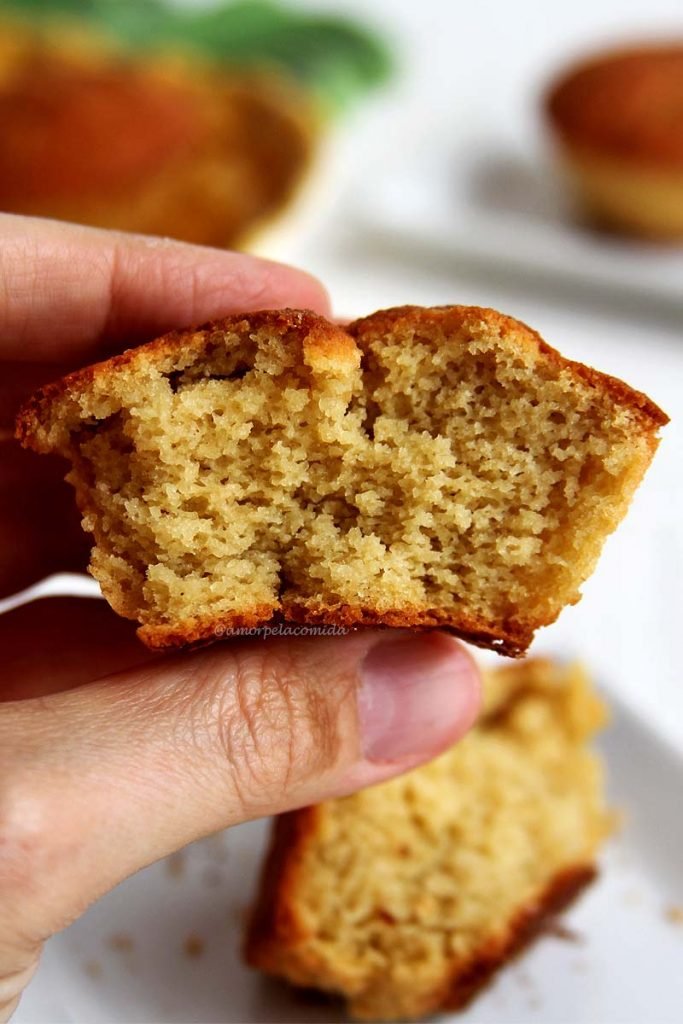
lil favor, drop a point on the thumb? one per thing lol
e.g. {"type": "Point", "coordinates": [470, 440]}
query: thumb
{"type": "Point", "coordinates": [99, 781]}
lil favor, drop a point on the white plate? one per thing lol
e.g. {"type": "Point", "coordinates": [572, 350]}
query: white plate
{"type": "Point", "coordinates": [505, 210]}
{"type": "Point", "coordinates": [129, 959]}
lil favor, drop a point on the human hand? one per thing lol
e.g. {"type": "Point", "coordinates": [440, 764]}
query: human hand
{"type": "Point", "coordinates": [110, 756]}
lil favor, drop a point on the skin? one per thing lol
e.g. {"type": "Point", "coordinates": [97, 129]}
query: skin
{"type": "Point", "coordinates": [112, 757]}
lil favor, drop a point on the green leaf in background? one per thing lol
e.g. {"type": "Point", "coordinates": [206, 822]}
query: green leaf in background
{"type": "Point", "coordinates": [137, 22]}
{"type": "Point", "coordinates": [334, 56]}
{"type": "Point", "coordinates": [52, 8]}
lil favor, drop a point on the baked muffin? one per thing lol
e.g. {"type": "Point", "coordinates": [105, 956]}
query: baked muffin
{"type": "Point", "coordinates": [407, 897]}
{"type": "Point", "coordinates": [147, 144]}
{"type": "Point", "coordinates": [420, 468]}
{"type": "Point", "coordinates": [618, 122]}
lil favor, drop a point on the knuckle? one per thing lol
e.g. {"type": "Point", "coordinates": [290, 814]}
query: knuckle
{"type": "Point", "coordinates": [276, 727]}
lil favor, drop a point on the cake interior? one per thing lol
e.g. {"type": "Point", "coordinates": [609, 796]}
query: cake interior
{"type": "Point", "coordinates": [401, 895]}
{"type": "Point", "coordinates": [442, 468]}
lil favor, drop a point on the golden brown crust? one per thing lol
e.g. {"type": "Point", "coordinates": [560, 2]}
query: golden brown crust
{"type": "Point", "coordinates": [320, 335]}
{"type": "Point", "coordinates": [332, 340]}
{"type": "Point", "coordinates": [510, 638]}
{"type": "Point", "coordinates": [626, 104]}
{"type": "Point", "coordinates": [199, 632]}
{"type": "Point", "coordinates": [468, 317]}
{"type": "Point", "coordinates": [275, 930]}
{"type": "Point", "coordinates": [320, 340]}
{"type": "Point", "coordinates": [557, 896]}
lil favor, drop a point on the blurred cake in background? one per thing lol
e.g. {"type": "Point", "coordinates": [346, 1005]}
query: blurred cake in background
{"type": "Point", "coordinates": [618, 122]}
{"type": "Point", "coordinates": [92, 136]}
{"type": "Point", "coordinates": [199, 125]}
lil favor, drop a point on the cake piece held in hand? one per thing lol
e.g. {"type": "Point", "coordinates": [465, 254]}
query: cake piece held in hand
{"type": "Point", "coordinates": [419, 468]}
{"type": "Point", "coordinates": [407, 897]}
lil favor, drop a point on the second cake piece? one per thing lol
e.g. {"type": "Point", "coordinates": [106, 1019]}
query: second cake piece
{"type": "Point", "coordinates": [408, 897]}
{"type": "Point", "coordinates": [421, 467]}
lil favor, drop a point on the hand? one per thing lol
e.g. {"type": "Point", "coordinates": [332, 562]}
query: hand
{"type": "Point", "coordinates": [111, 757]}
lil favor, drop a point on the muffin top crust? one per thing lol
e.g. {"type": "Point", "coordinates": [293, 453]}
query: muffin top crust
{"type": "Point", "coordinates": [626, 104]}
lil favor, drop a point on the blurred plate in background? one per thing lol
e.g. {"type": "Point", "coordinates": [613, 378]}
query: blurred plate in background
{"type": "Point", "coordinates": [492, 207]}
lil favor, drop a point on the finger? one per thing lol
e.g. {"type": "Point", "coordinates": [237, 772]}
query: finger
{"type": "Point", "coordinates": [40, 530]}
{"type": "Point", "coordinates": [72, 293]}
{"type": "Point", "coordinates": [58, 643]}
{"type": "Point", "coordinates": [102, 780]}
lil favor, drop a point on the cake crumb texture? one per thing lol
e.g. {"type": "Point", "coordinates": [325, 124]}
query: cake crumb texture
{"type": "Point", "coordinates": [422, 467]}
{"type": "Point", "coordinates": [407, 897]}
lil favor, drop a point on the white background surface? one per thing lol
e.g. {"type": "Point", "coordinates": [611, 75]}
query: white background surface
{"type": "Point", "coordinates": [471, 72]}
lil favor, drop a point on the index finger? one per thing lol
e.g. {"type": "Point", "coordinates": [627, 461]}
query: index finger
{"type": "Point", "coordinates": [70, 293]}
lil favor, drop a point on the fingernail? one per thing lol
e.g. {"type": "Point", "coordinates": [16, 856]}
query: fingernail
{"type": "Point", "coordinates": [418, 694]}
